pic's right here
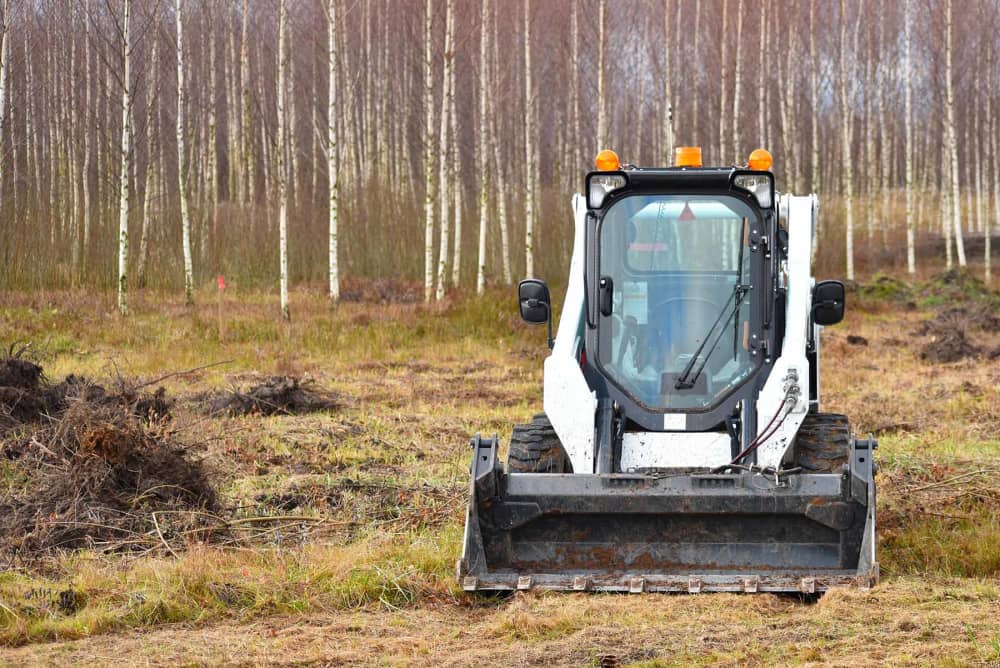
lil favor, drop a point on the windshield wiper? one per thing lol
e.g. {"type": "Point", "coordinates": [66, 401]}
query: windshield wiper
{"type": "Point", "coordinates": [683, 382]}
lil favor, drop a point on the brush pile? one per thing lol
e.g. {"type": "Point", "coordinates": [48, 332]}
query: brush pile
{"type": "Point", "coordinates": [85, 466]}
{"type": "Point", "coordinates": [275, 395]}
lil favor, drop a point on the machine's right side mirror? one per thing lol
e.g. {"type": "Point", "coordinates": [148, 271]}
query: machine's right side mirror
{"type": "Point", "coordinates": [533, 300]}
{"type": "Point", "coordinates": [828, 303]}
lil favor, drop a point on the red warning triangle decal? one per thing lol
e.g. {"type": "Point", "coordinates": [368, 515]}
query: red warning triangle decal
{"type": "Point", "coordinates": [687, 214]}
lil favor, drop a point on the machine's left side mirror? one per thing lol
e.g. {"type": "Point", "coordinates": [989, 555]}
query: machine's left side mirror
{"type": "Point", "coordinates": [535, 304]}
{"type": "Point", "coordinates": [533, 298]}
{"type": "Point", "coordinates": [828, 303]}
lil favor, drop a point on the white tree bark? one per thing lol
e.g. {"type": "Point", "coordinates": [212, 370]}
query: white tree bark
{"type": "Point", "coordinates": [125, 154]}
{"type": "Point", "coordinates": [724, 84]}
{"type": "Point", "coordinates": [446, 173]}
{"type": "Point", "coordinates": [248, 180]}
{"type": "Point", "coordinates": [668, 94]}
{"type": "Point", "coordinates": [88, 85]}
{"type": "Point", "coordinates": [846, 129]}
{"type": "Point", "coordinates": [481, 145]}
{"type": "Point", "coordinates": [5, 40]}
{"type": "Point", "coordinates": [456, 152]}
{"type": "Point", "coordinates": [956, 199]}
{"type": "Point", "coordinates": [332, 149]}
{"type": "Point", "coordinates": [530, 143]}
{"type": "Point", "coordinates": [428, 151]}
{"type": "Point", "coordinates": [602, 114]}
{"type": "Point", "coordinates": [498, 167]}
{"type": "Point", "coordinates": [182, 162]}
{"type": "Point", "coordinates": [151, 133]}
{"type": "Point", "coordinates": [911, 258]}
{"type": "Point", "coordinates": [737, 83]}
{"type": "Point", "coordinates": [281, 151]}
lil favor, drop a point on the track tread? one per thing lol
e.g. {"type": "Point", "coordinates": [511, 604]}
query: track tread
{"type": "Point", "coordinates": [535, 448]}
{"type": "Point", "coordinates": [823, 443]}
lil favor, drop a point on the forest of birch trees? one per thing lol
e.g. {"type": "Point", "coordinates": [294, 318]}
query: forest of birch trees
{"type": "Point", "coordinates": [299, 143]}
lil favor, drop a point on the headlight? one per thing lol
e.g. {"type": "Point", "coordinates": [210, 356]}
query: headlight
{"type": "Point", "coordinates": [758, 185]}
{"type": "Point", "coordinates": [599, 185]}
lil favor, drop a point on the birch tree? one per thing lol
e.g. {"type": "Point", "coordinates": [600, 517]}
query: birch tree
{"type": "Point", "coordinates": [281, 151]}
{"type": "Point", "coordinates": [911, 260]}
{"type": "Point", "coordinates": [602, 114]}
{"type": "Point", "coordinates": [428, 151]}
{"type": "Point", "coordinates": [446, 173]}
{"type": "Point", "coordinates": [530, 142]}
{"type": "Point", "coordinates": [125, 155]}
{"type": "Point", "coordinates": [668, 95]}
{"type": "Point", "coordinates": [5, 40]}
{"type": "Point", "coordinates": [956, 201]}
{"type": "Point", "coordinates": [847, 74]}
{"type": "Point", "coordinates": [332, 148]}
{"type": "Point", "coordinates": [182, 161]}
{"type": "Point", "coordinates": [481, 145]}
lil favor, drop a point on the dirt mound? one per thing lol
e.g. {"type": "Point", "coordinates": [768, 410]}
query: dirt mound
{"type": "Point", "coordinates": [92, 467]}
{"type": "Point", "coordinates": [275, 395]}
{"type": "Point", "coordinates": [883, 287]}
{"type": "Point", "coordinates": [949, 346]}
{"type": "Point", "coordinates": [948, 331]}
{"type": "Point", "coordinates": [957, 286]}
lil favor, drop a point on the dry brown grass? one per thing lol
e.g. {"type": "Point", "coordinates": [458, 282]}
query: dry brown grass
{"type": "Point", "coordinates": [366, 577]}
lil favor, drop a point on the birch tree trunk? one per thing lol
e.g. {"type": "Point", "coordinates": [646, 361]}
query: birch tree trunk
{"type": "Point", "coordinates": [498, 166]}
{"type": "Point", "coordinates": [814, 66]}
{"type": "Point", "coordinates": [125, 154]}
{"type": "Point", "coordinates": [332, 149]}
{"type": "Point", "coordinates": [4, 66]}
{"type": "Point", "coordinates": [151, 132]}
{"type": "Point", "coordinates": [668, 95]}
{"type": "Point", "coordinates": [845, 133]}
{"type": "Point", "coordinates": [85, 241]}
{"type": "Point", "coordinates": [602, 114]}
{"type": "Point", "coordinates": [737, 76]}
{"type": "Point", "coordinates": [446, 173]}
{"type": "Point", "coordinates": [911, 259]}
{"type": "Point", "coordinates": [481, 145]}
{"type": "Point", "coordinates": [213, 147]}
{"type": "Point", "coordinates": [182, 163]}
{"type": "Point", "coordinates": [249, 179]}
{"type": "Point", "coordinates": [281, 153]}
{"type": "Point", "coordinates": [956, 199]}
{"type": "Point", "coordinates": [456, 265]}
{"type": "Point", "coordinates": [530, 142]}
{"type": "Point", "coordinates": [428, 151]}
{"type": "Point", "coordinates": [724, 84]}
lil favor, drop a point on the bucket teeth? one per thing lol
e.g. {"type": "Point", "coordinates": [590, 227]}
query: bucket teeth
{"type": "Point", "coordinates": [637, 585]}
{"type": "Point", "coordinates": [808, 586]}
{"type": "Point", "coordinates": [470, 583]}
{"type": "Point", "coordinates": [750, 585]}
{"type": "Point", "coordinates": [524, 583]}
{"type": "Point", "coordinates": [581, 583]}
{"type": "Point", "coordinates": [694, 585]}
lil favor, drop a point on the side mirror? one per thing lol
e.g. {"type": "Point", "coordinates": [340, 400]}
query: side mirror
{"type": "Point", "coordinates": [535, 304]}
{"type": "Point", "coordinates": [828, 303]}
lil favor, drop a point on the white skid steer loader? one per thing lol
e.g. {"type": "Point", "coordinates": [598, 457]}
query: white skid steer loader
{"type": "Point", "coordinates": [682, 447]}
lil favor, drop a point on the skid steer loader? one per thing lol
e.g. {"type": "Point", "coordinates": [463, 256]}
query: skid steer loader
{"type": "Point", "coordinates": [682, 447]}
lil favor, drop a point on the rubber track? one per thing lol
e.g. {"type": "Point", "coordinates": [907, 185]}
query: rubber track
{"type": "Point", "coordinates": [823, 443]}
{"type": "Point", "coordinates": [535, 448]}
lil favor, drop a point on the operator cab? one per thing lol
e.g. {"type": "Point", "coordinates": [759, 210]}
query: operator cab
{"type": "Point", "coordinates": [678, 275]}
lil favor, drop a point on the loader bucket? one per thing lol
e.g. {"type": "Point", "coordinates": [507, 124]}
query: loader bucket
{"type": "Point", "coordinates": [683, 532]}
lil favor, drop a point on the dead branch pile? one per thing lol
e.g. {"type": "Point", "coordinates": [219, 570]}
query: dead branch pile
{"type": "Point", "coordinates": [89, 467]}
{"type": "Point", "coordinates": [275, 395]}
{"type": "Point", "coordinates": [948, 332]}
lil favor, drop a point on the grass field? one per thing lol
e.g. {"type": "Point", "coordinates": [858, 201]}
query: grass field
{"type": "Point", "coordinates": [349, 520]}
